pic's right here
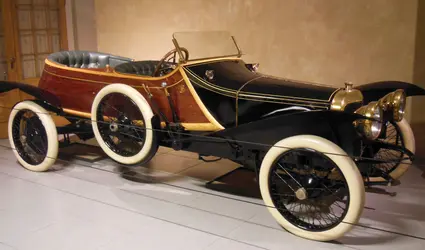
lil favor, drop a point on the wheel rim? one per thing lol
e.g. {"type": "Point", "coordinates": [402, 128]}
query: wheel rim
{"type": "Point", "coordinates": [121, 124]}
{"type": "Point", "coordinates": [29, 137]}
{"type": "Point", "coordinates": [309, 190]}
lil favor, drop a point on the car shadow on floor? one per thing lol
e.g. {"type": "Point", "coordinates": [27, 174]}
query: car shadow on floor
{"type": "Point", "coordinates": [240, 182]}
{"type": "Point", "coordinates": [146, 174]}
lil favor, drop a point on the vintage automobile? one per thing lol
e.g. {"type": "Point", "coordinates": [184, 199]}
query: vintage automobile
{"type": "Point", "coordinates": [314, 147]}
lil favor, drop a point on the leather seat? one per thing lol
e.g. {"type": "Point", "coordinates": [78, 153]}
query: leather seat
{"type": "Point", "coordinates": [87, 59]}
{"type": "Point", "coordinates": [144, 68]}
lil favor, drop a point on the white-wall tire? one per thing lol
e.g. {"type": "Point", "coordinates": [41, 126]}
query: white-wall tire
{"type": "Point", "coordinates": [348, 169]}
{"type": "Point", "coordinates": [409, 143]}
{"type": "Point", "coordinates": [51, 133]}
{"type": "Point", "coordinates": [150, 144]}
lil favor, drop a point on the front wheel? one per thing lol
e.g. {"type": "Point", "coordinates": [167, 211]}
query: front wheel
{"type": "Point", "coordinates": [409, 143]}
{"type": "Point", "coordinates": [311, 187]}
{"type": "Point", "coordinates": [399, 134]}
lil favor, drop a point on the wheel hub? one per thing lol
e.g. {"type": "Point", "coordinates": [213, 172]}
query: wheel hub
{"type": "Point", "coordinates": [301, 194]}
{"type": "Point", "coordinates": [113, 127]}
{"type": "Point", "coordinates": [23, 139]}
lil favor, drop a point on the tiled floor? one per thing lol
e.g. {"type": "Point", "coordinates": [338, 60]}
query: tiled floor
{"type": "Point", "coordinates": [93, 206]}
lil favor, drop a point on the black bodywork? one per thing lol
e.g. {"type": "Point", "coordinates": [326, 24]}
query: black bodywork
{"type": "Point", "coordinates": [249, 142]}
{"type": "Point", "coordinates": [43, 97]}
{"type": "Point", "coordinates": [237, 95]}
{"type": "Point", "coordinates": [244, 102]}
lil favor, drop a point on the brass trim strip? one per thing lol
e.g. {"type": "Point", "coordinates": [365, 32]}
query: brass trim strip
{"type": "Point", "coordinates": [288, 103]}
{"type": "Point", "coordinates": [176, 45]}
{"type": "Point", "coordinates": [237, 98]}
{"type": "Point", "coordinates": [237, 47]}
{"type": "Point", "coordinates": [77, 113]}
{"type": "Point", "coordinates": [204, 61]}
{"type": "Point", "coordinates": [199, 126]}
{"type": "Point", "coordinates": [107, 83]}
{"type": "Point", "coordinates": [188, 126]}
{"type": "Point", "coordinates": [198, 101]}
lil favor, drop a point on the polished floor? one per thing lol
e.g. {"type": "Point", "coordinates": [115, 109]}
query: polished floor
{"type": "Point", "coordinates": [82, 205]}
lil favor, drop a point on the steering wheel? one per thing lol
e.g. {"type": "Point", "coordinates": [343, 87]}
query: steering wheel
{"type": "Point", "coordinates": [171, 55]}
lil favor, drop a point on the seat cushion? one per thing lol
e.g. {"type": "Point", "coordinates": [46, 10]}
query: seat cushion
{"type": "Point", "coordinates": [87, 59]}
{"type": "Point", "coordinates": [144, 68]}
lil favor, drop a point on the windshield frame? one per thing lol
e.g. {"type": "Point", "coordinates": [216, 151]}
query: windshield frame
{"type": "Point", "coordinates": [182, 60]}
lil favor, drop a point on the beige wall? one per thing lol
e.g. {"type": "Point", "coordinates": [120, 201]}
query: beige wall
{"type": "Point", "coordinates": [81, 25]}
{"type": "Point", "coordinates": [69, 24]}
{"type": "Point", "coordinates": [326, 41]}
{"type": "Point", "coordinates": [418, 103]}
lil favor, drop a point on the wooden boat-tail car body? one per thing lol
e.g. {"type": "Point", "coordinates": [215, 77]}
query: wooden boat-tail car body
{"type": "Point", "coordinates": [69, 83]}
{"type": "Point", "coordinates": [311, 145]}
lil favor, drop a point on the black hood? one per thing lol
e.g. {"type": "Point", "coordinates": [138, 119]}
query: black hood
{"type": "Point", "coordinates": [233, 77]}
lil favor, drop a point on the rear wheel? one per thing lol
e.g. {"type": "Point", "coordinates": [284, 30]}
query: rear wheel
{"type": "Point", "coordinates": [311, 188]}
{"type": "Point", "coordinates": [33, 136]}
{"type": "Point", "coordinates": [122, 124]}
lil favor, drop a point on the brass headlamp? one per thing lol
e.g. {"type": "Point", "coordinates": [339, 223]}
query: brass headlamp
{"type": "Point", "coordinates": [395, 101]}
{"type": "Point", "coordinates": [370, 128]}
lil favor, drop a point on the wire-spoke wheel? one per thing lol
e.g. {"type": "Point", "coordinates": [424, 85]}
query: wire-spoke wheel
{"type": "Point", "coordinates": [311, 188]}
{"type": "Point", "coordinates": [33, 136]}
{"type": "Point", "coordinates": [121, 120]}
{"type": "Point", "coordinates": [392, 136]}
{"type": "Point", "coordinates": [399, 134]}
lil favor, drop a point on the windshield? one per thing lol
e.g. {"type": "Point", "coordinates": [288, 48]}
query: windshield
{"type": "Point", "coordinates": [206, 44]}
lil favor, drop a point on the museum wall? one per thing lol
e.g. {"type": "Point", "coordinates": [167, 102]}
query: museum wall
{"type": "Point", "coordinates": [81, 25]}
{"type": "Point", "coordinates": [328, 41]}
{"type": "Point", "coordinates": [418, 103]}
{"type": "Point", "coordinates": [419, 63]}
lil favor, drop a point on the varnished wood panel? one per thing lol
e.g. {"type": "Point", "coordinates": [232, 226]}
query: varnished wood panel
{"type": "Point", "coordinates": [77, 90]}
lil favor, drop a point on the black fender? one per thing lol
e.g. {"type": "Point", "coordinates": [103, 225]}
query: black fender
{"type": "Point", "coordinates": [234, 143]}
{"type": "Point", "coordinates": [324, 123]}
{"type": "Point", "coordinates": [376, 90]}
{"type": "Point", "coordinates": [43, 97]}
